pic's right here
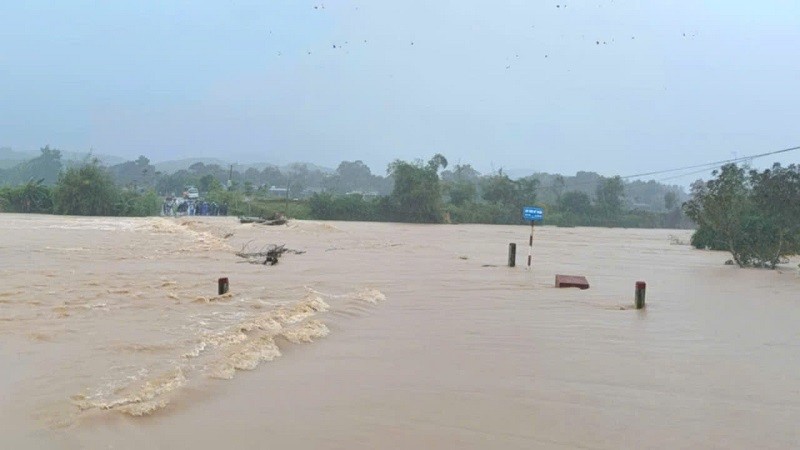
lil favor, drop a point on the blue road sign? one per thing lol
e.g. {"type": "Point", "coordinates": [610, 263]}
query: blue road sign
{"type": "Point", "coordinates": [532, 214]}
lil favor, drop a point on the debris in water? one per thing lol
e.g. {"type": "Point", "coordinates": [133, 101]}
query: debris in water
{"type": "Point", "coordinates": [267, 256]}
{"type": "Point", "coordinates": [275, 219]}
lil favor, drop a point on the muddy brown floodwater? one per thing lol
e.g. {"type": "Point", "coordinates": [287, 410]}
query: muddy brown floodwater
{"type": "Point", "coordinates": [387, 336]}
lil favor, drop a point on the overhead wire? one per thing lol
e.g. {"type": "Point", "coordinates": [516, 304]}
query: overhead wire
{"type": "Point", "coordinates": [714, 163]}
{"type": "Point", "coordinates": [703, 167]}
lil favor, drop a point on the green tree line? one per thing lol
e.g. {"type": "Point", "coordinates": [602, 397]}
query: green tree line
{"type": "Point", "coordinates": [411, 191]}
{"type": "Point", "coordinates": [426, 192]}
{"type": "Point", "coordinates": [753, 215]}
{"type": "Point", "coordinates": [87, 190]}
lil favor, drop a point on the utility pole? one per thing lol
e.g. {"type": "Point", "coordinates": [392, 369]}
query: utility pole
{"type": "Point", "coordinates": [286, 209]}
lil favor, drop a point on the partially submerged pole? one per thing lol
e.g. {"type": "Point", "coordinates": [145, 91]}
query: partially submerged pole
{"type": "Point", "coordinates": [512, 254]}
{"type": "Point", "coordinates": [531, 214]}
{"type": "Point", "coordinates": [223, 286]}
{"type": "Point", "coordinates": [641, 288]}
{"type": "Point", "coordinates": [530, 247]}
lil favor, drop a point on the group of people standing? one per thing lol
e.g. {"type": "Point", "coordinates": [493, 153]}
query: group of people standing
{"type": "Point", "coordinates": [182, 207]}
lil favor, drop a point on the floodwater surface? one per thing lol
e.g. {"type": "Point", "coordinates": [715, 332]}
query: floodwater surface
{"type": "Point", "coordinates": [112, 335]}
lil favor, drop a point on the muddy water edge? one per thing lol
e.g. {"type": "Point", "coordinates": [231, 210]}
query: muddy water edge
{"type": "Point", "coordinates": [386, 335]}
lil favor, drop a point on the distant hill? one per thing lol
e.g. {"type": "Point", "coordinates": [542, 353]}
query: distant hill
{"type": "Point", "coordinates": [108, 160]}
{"type": "Point", "coordinates": [8, 163]}
{"type": "Point", "coordinates": [9, 153]}
{"type": "Point", "coordinates": [311, 166]}
{"type": "Point", "coordinates": [519, 173]}
{"type": "Point", "coordinates": [10, 158]}
{"type": "Point", "coordinates": [173, 166]}
{"type": "Point", "coordinates": [181, 164]}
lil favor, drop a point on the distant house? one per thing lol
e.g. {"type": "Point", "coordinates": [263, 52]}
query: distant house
{"type": "Point", "coordinates": [279, 192]}
{"type": "Point", "coordinates": [370, 194]}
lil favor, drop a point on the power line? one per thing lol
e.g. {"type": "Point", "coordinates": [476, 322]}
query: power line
{"type": "Point", "coordinates": [705, 170]}
{"type": "Point", "coordinates": [713, 164]}
{"type": "Point", "coordinates": [705, 167]}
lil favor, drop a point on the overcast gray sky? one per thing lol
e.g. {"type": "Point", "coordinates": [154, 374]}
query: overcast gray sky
{"type": "Point", "coordinates": [511, 84]}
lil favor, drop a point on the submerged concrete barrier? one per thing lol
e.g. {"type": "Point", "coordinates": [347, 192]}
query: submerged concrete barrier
{"type": "Point", "coordinates": [566, 281]}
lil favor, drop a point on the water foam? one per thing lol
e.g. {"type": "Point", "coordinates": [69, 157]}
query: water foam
{"type": "Point", "coordinates": [219, 353]}
{"type": "Point", "coordinates": [199, 232]}
{"type": "Point", "coordinates": [136, 399]}
{"type": "Point", "coordinates": [252, 341]}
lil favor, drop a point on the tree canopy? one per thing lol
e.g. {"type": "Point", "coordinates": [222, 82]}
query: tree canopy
{"type": "Point", "coordinates": [85, 191]}
{"type": "Point", "coordinates": [417, 193]}
{"type": "Point", "coordinates": [754, 215]}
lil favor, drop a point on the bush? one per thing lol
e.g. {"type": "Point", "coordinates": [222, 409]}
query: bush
{"type": "Point", "coordinates": [31, 197]}
{"type": "Point", "coordinates": [325, 206]}
{"type": "Point", "coordinates": [755, 215]}
{"type": "Point", "coordinates": [85, 191]}
{"type": "Point", "coordinates": [705, 238]}
{"type": "Point", "coordinates": [263, 207]}
{"type": "Point", "coordinates": [133, 204]}
{"type": "Point", "coordinates": [5, 203]}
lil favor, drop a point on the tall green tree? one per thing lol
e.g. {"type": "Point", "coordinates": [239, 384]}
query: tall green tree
{"type": "Point", "coordinates": [461, 172]}
{"type": "Point", "coordinates": [776, 199]}
{"type": "Point", "coordinates": [136, 174]}
{"type": "Point", "coordinates": [46, 167]}
{"type": "Point", "coordinates": [670, 200]}
{"type": "Point", "coordinates": [351, 176]}
{"type": "Point", "coordinates": [558, 186]}
{"type": "Point", "coordinates": [527, 190]}
{"type": "Point", "coordinates": [499, 189]}
{"type": "Point", "coordinates": [720, 205]}
{"type": "Point", "coordinates": [753, 215]}
{"type": "Point", "coordinates": [576, 203]}
{"type": "Point", "coordinates": [609, 194]}
{"type": "Point", "coordinates": [461, 192]}
{"type": "Point", "coordinates": [461, 184]}
{"type": "Point", "coordinates": [208, 183]}
{"type": "Point", "coordinates": [417, 195]}
{"type": "Point", "coordinates": [87, 190]}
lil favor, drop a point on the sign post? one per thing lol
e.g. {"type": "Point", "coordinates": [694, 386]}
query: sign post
{"type": "Point", "coordinates": [532, 214]}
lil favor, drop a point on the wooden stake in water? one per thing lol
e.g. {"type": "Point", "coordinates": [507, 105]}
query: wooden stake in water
{"type": "Point", "coordinates": [512, 254]}
{"type": "Point", "coordinates": [222, 286]}
{"type": "Point", "coordinates": [530, 247]}
{"type": "Point", "coordinates": [641, 287]}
